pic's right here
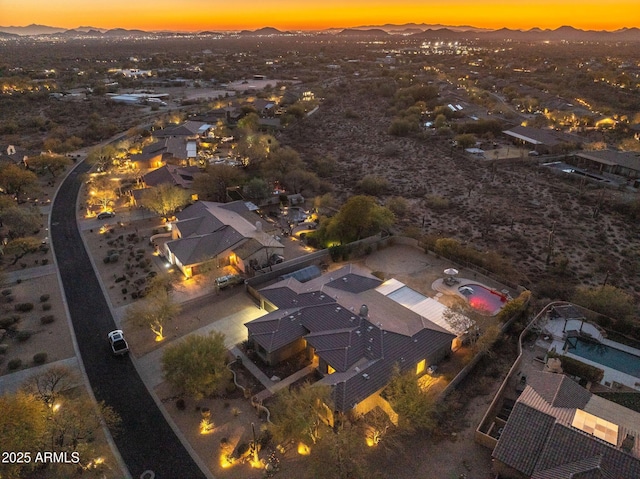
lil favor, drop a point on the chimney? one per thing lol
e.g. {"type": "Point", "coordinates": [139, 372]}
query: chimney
{"type": "Point", "coordinates": [11, 150]}
{"type": "Point", "coordinates": [364, 311]}
{"type": "Point", "coordinates": [258, 225]}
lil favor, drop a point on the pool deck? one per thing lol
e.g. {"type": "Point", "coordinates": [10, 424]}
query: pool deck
{"type": "Point", "coordinates": [556, 334]}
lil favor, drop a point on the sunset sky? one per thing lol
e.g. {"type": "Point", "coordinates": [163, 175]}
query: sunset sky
{"type": "Point", "coordinates": [197, 15]}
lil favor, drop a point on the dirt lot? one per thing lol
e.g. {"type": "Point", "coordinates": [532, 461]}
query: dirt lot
{"type": "Point", "coordinates": [510, 206]}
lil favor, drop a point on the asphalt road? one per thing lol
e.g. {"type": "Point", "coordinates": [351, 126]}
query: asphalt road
{"type": "Point", "coordinates": [144, 439]}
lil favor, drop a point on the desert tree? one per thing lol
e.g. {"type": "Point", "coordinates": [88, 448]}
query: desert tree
{"type": "Point", "coordinates": [340, 454]}
{"type": "Point", "coordinates": [102, 157]}
{"type": "Point", "coordinates": [102, 191]}
{"type": "Point", "coordinates": [165, 199]}
{"type": "Point", "coordinates": [398, 205]}
{"type": "Point", "coordinates": [465, 140]}
{"type": "Point", "coordinates": [463, 320]}
{"type": "Point", "coordinates": [20, 247]}
{"type": "Point", "coordinates": [280, 161]}
{"type": "Point", "coordinates": [23, 427]}
{"type": "Point", "coordinates": [358, 218]}
{"type": "Point", "coordinates": [156, 309]}
{"type": "Point", "coordinates": [52, 164]}
{"type": "Point", "coordinates": [373, 185]}
{"type": "Point", "coordinates": [196, 365]}
{"type": "Point", "coordinates": [415, 408]}
{"type": "Point", "coordinates": [74, 422]}
{"type": "Point", "coordinates": [48, 385]}
{"type": "Point", "coordinates": [15, 180]}
{"type": "Point", "coordinates": [301, 181]}
{"type": "Point", "coordinates": [257, 190]}
{"type": "Point", "coordinates": [212, 184]}
{"type": "Point", "coordinates": [299, 414]}
{"type": "Point", "coordinates": [21, 221]}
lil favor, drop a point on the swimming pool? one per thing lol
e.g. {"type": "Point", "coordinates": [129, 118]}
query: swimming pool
{"type": "Point", "coordinates": [606, 355]}
{"type": "Point", "coordinates": [483, 299]}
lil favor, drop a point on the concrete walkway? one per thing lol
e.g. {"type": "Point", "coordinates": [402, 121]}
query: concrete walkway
{"type": "Point", "coordinates": [149, 366]}
{"type": "Point", "coordinates": [30, 273]}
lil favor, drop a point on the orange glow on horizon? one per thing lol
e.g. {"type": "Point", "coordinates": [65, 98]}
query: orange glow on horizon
{"type": "Point", "coordinates": [198, 15]}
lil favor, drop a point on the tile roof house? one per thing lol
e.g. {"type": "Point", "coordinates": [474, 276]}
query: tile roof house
{"type": "Point", "coordinates": [151, 156]}
{"type": "Point", "coordinates": [559, 430]}
{"type": "Point", "coordinates": [221, 232]}
{"type": "Point", "coordinates": [175, 150]}
{"type": "Point", "coordinates": [358, 334]}
{"type": "Point", "coordinates": [173, 175]}
{"type": "Point", "coordinates": [190, 129]}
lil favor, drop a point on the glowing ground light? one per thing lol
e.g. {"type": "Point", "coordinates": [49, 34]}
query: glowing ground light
{"type": "Point", "coordinates": [303, 449]}
{"type": "Point", "coordinates": [226, 461]}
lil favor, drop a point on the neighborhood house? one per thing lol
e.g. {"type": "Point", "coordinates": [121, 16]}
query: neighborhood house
{"type": "Point", "coordinates": [355, 333]}
{"type": "Point", "coordinates": [222, 234]}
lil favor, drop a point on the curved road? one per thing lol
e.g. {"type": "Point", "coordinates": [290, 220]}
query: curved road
{"type": "Point", "coordinates": [144, 439]}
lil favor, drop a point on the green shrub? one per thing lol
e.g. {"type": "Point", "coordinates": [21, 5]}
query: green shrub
{"type": "Point", "coordinates": [46, 306]}
{"type": "Point", "coordinates": [4, 348]}
{"type": "Point", "coordinates": [6, 323]}
{"type": "Point", "coordinates": [44, 298]}
{"type": "Point", "coordinates": [40, 358]}
{"type": "Point", "coordinates": [573, 367]}
{"type": "Point", "coordinates": [14, 364]}
{"type": "Point", "coordinates": [6, 292]}
{"type": "Point", "coordinates": [48, 319]}
{"type": "Point", "coordinates": [22, 336]}
{"type": "Point", "coordinates": [24, 307]}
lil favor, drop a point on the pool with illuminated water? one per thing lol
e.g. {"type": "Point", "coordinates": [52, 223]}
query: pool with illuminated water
{"type": "Point", "coordinates": [483, 299]}
{"type": "Point", "coordinates": [606, 355]}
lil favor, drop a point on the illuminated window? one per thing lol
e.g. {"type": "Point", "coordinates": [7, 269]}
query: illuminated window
{"type": "Point", "coordinates": [420, 367]}
{"type": "Point", "coordinates": [330, 370]}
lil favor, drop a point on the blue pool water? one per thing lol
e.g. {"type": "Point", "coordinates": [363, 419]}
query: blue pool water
{"type": "Point", "coordinates": [607, 356]}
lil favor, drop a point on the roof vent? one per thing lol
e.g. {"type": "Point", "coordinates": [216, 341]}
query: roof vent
{"type": "Point", "coordinates": [365, 375]}
{"type": "Point", "coordinates": [628, 443]}
{"type": "Point", "coordinates": [364, 311]}
{"type": "Point", "coordinates": [344, 278]}
{"type": "Point", "coordinates": [258, 226]}
{"type": "Point", "coordinates": [358, 332]}
{"type": "Point", "coordinates": [338, 308]}
{"type": "Point", "coordinates": [356, 369]}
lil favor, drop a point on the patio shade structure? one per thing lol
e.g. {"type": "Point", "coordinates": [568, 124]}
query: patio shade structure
{"type": "Point", "coordinates": [450, 271]}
